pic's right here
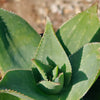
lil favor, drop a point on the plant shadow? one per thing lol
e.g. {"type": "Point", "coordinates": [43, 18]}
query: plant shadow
{"type": "Point", "coordinates": [96, 38]}
{"type": "Point", "coordinates": [75, 60]}
{"type": "Point", "coordinates": [9, 45]}
{"type": "Point", "coordinates": [61, 41]}
{"type": "Point", "coordinates": [51, 62]}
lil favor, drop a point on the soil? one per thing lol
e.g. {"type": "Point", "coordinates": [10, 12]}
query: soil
{"type": "Point", "coordinates": [35, 11]}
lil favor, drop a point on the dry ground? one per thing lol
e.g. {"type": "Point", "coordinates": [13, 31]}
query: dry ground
{"type": "Point", "coordinates": [35, 11]}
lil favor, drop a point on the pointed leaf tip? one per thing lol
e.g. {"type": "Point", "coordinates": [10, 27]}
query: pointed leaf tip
{"type": "Point", "coordinates": [18, 42]}
{"type": "Point", "coordinates": [48, 20]}
{"type": "Point", "coordinates": [76, 32]}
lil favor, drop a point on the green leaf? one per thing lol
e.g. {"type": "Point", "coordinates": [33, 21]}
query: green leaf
{"type": "Point", "coordinates": [55, 73]}
{"type": "Point", "coordinates": [21, 83]}
{"type": "Point", "coordinates": [50, 52]}
{"type": "Point", "coordinates": [85, 70]}
{"type": "Point", "coordinates": [5, 96]}
{"type": "Point", "coordinates": [94, 92]}
{"type": "Point", "coordinates": [52, 87]}
{"type": "Point", "coordinates": [42, 68]}
{"type": "Point", "coordinates": [18, 42]}
{"type": "Point", "coordinates": [79, 30]}
{"type": "Point", "coordinates": [96, 37]}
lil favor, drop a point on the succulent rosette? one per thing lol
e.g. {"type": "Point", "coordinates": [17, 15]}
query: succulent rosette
{"type": "Point", "coordinates": [58, 66]}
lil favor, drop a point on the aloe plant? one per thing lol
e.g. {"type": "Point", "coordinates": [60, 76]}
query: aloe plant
{"type": "Point", "coordinates": [58, 66]}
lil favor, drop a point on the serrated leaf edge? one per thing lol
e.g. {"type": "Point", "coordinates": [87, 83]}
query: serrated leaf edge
{"type": "Point", "coordinates": [9, 91]}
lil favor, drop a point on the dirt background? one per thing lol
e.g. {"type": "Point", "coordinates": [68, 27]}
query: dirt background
{"type": "Point", "coordinates": [35, 11]}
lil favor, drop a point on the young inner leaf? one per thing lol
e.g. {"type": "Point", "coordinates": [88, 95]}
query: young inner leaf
{"type": "Point", "coordinates": [42, 68]}
{"type": "Point", "coordinates": [52, 87]}
{"type": "Point", "coordinates": [55, 73]}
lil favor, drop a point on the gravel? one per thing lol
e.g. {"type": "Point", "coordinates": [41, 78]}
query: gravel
{"type": "Point", "coordinates": [35, 11]}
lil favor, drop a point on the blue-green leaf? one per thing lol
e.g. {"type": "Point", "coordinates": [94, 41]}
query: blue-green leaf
{"type": "Point", "coordinates": [79, 30]}
{"type": "Point", "coordinates": [18, 42]}
{"type": "Point", "coordinates": [85, 70]}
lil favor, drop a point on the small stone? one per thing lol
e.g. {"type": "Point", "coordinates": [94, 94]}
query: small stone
{"type": "Point", "coordinates": [89, 0]}
{"type": "Point", "coordinates": [77, 10]}
{"type": "Point", "coordinates": [54, 8]}
{"type": "Point", "coordinates": [66, 11]}
{"type": "Point", "coordinates": [17, 0]}
{"type": "Point", "coordinates": [38, 21]}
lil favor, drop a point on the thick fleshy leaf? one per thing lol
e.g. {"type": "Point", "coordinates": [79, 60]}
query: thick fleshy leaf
{"type": "Point", "coordinates": [94, 92]}
{"type": "Point", "coordinates": [21, 84]}
{"type": "Point", "coordinates": [85, 70]}
{"type": "Point", "coordinates": [50, 52]}
{"type": "Point", "coordinates": [5, 96]}
{"type": "Point", "coordinates": [52, 87]}
{"type": "Point", "coordinates": [96, 37]}
{"type": "Point", "coordinates": [42, 68]}
{"type": "Point", "coordinates": [55, 73]}
{"type": "Point", "coordinates": [79, 30]}
{"type": "Point", "coordinates": [18, 42]}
